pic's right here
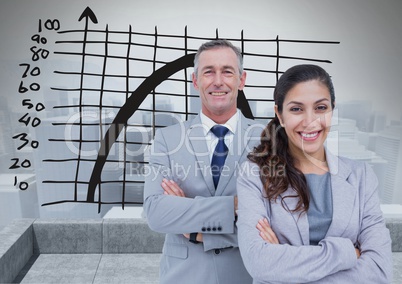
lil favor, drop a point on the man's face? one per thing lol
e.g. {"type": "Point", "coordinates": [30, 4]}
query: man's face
{"type": "Point", "coordinates": [218, 82]}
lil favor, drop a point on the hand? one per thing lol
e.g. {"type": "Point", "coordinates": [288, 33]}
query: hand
{"type": "Point", "coordinates": [235, 205]}
{"type": "Point", "coordinates": [198, 238]}
{"type": "Point", "coordinates": [266, 232]}
{"type": "Point", "coordinates": [357, 249]}
{"type": "Point", "coordinates": [357, 253]}
{"type": "Point", "coordinates": [171, 188]}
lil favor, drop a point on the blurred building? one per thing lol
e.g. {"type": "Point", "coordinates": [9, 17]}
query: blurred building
{"type": "Point", "coordinates": [357, 145]}
{"type": "Point", "coordinates": [389, 146]}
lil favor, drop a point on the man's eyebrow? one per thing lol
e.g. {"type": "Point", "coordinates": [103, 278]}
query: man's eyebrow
{"type": "Point", "coordinates": [229, 67]}
{"type": "Point", "coordinates": [207, 67]}
{"type": "Point", "coordinates": [223, 67]}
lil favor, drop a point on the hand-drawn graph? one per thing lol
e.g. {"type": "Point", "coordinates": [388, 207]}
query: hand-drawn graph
{"type": "Point", "coordinates": [147, 61]}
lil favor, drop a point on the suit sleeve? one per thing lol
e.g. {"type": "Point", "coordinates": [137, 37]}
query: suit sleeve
{"type": "Point", "coordinates": [375, 262]}
{"type": "Point", "coordinates": [178, 215]}
{"type": "Point", "coordinates": [283, 263]}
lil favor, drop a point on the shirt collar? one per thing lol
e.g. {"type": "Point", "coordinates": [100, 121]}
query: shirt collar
{"type": "Point", "coordinates": [231, 124]}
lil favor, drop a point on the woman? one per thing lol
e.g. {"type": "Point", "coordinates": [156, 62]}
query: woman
{"type": "Point", "coordinates": [305, 215]}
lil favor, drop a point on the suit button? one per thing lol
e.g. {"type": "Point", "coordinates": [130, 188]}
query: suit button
{"type": "Point", "coordinates": [209, 229]}
{"type": "Point", "coordinates": [219, 228]}
{"type": "Point", "coordinates": [214, 229]}
{"type": "Point", "coordinates": [203, 229]}
{"type": "Point", "coordinates": [217, 251]}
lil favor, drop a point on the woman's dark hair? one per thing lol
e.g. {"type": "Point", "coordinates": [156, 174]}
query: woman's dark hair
{"type": "Point", "coordinates": [277, 166]}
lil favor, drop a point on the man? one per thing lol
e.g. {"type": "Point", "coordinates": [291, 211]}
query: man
{"type": "Point", "coordinates": [190, 196]}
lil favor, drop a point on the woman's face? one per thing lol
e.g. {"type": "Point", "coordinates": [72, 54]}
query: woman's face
{"type": "Point", "coordinates": [306, 116]}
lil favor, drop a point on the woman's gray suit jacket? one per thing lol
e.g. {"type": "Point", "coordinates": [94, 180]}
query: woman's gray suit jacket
{"type": "Point", "coordinates": [357, 221]}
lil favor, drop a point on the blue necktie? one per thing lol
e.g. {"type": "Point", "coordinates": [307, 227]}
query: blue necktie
{"type": "Point", "coordinates": [220, 153]}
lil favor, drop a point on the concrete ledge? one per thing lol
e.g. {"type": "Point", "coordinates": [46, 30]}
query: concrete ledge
{"type": "Point", "coordinates": [16, 248]}
{"type": "Point", "coordinates": [70, 236]}
{"type": "Point", "coordinates": [67, 236]}
{"type": "Point", "coordinates": [26, 239]}
{"type": "Point", "coordinates": [395, 228]}
{"type": "Point", "coordinates": [130, 236]}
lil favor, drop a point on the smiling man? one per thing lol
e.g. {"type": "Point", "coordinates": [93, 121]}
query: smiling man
{"type": "Point", "coordinates": [196, 206]}
{"type": "Point", "coordinates": [218, 76]}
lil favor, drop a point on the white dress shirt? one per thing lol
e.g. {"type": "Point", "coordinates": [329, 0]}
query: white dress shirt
{"type": "Point", "coordinates": [211, 139]}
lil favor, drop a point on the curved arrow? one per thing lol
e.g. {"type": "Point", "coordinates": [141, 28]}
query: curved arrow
{"type": "Point", "coordinates": [127, 110]}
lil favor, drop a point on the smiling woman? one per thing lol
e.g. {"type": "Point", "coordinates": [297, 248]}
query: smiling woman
{"type": "Point", "coordinates": [306, 118]}
{"type": "Point", "coordinates": [319, 218]}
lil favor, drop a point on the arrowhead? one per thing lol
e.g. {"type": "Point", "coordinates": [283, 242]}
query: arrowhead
{"type": "Point", "coordinates": [88, 13]}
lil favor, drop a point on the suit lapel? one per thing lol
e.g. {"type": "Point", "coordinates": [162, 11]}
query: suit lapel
{"type": "Point", "coordinates": [300, 219]}
{"type": "Point", "coordinates": [343, 195]}
{"type": "Point", "coordinates": [197, 141]}
{"type": "Point", "coordinates": [235, 152]}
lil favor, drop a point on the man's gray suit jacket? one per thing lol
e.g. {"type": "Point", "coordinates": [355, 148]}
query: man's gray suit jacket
{"type": "Point", "coordinates": [180, 153]}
